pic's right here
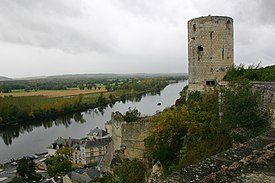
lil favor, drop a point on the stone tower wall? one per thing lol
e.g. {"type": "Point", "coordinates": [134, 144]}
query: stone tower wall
{"type": "Point", "coordinates": [210, 51]}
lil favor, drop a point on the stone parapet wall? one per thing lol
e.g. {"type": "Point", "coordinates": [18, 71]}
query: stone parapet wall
{"type": "Point", "coordinates": [239, 164]}
{"type": "Point", "coordinates": [267, 91]}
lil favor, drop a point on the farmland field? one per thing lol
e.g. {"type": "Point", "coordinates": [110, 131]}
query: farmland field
{"type": "Point", "coordinates": [52, 93]}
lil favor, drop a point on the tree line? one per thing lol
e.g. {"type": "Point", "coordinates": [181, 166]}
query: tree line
{"type": "Point", "coordinates": [19, 109]}
{"type": "Point", "coordinates": [251, 73]}
{"type": "Point", "coordinates": [81, 83]}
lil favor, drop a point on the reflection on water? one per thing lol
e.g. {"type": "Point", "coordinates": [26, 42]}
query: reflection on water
{"type": "Point", "coordinates": [10, 132]}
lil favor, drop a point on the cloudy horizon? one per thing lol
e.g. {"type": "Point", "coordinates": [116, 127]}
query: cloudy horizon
{"type": "Point", "coordinates": [58, 37]}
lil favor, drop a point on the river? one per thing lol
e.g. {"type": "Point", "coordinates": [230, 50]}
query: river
{"type": "Point", "coordinates": [35, 137]}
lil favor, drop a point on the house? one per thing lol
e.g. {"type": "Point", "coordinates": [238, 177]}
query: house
{"type": "Point", "coordinates": [88, 151]}
{"type": "Point", "coordinates": [92, 151]}
{"type": "Point", "coordinates": [61, 142]}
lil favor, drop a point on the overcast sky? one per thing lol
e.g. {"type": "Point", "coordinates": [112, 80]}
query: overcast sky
{"type": "Point", "coordinates": [53, 37]}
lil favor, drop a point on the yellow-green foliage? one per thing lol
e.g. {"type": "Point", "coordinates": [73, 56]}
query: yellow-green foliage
{"type": "Point", "coordinates": [187, 133]}
{"type": "Point", "coordinates": [16, 109]}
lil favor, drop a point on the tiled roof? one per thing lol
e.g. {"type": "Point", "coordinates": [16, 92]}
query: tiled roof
{"type": "Point", "coordinates": [67, 142]}
{"type": "Point", "coordinates": [77, 177]}
{"type": "Point", "coordinates": [97, 142]}
{"type": "Point", "coordinates": [97, 132]}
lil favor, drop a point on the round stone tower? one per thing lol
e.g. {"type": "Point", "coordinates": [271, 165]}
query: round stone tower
{"type": "Point", "coordinates": [210, 51]}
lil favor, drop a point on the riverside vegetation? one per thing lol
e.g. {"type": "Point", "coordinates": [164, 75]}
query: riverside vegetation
{"type": "Point", "coordinates": [20, 109]}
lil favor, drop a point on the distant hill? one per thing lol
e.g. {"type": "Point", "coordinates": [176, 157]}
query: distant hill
{"type": "Point", "coordinates": [112, 75]}
{"type": "Point", "coordinates": [32, 78]}
{"type": "Point", "coordinates": [96, 76]}
{"type": "Point", "coordinates": [3, 78]}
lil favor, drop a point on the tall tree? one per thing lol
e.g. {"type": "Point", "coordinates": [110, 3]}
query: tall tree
{"type": "Point", "coordinates": [58, 166]}
{"type": "Point", "coordinates": [26, 170]}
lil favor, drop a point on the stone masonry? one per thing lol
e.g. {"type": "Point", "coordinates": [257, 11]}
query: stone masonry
{"type": "Point", "coordinates": [210, 51]}
{"type": "Point", "coordinates": [133, 135]}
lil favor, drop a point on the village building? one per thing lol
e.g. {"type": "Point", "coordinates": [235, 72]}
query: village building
{"type": "Point", "coordinates": [86, 151]}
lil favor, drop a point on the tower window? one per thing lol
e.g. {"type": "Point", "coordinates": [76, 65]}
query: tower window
{"type": "Point", "coordinates": [200, 48]}
{"type": "Point", "coordinates": [211, 35]}
{"type": "Point", "coordinates": [228, 24]}
{"type": "Point", "coordinates": [200, 51]}
{"type": "Point", "coordinates": [223, 53]}
{"type": "Point", "coordinates": [194, 27]}
{"type": "Point", "coordinates": [210, 83]}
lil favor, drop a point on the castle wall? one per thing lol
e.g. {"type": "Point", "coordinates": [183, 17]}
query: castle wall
{"type": "Point", "coordinates": [267, 91]}
{"type": "Point", "coordinates": [210, 51]}
{"type": "Point", "coordinates": [133, 135]}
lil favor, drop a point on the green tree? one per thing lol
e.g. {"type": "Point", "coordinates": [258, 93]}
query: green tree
{"type": "Point", "coordinates": [26, 170]}
{"type": "Point", "coordinates": [132, 115]}
{"type": "Point", "coordinates": [187, 133]}
{"type": "Point", "coordinates": [241, 111]}
{"type": "Point", "coordinates": [65, 152]}
{"type": "Point", "coordinates": [131, 171]}
{"type": "Point", "coordinates": [58, 166]}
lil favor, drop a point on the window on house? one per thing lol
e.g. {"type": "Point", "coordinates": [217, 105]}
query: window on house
{"type": "Point", "coordinates": [210, 83]}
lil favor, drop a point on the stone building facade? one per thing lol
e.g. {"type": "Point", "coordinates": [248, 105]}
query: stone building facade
{"type": "Point", "coordinates": [210, 51]}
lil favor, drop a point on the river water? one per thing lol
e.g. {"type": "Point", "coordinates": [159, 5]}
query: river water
{"type": "Point", "coordinates": [35, 137]}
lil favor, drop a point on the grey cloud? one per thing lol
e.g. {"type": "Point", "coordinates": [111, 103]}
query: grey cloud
{"type": "Point", "coordinates": [50, 24]}
{"type": "Point", "coordinates": [266, 11]}
{"type": "Point", "coordinates": [122, 35]}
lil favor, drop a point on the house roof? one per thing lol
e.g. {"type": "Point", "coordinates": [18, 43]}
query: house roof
{"type": "Point", "coordinates": [77, 177]}
{"type": "Point", "coordinates": [67, 142]}
{"type": "Point", "coordinates": [96, 142]}
{"type": "Point", "coordinates": [97, 132]}
{"type": "Point", "coordinates": [75, 143]}
{"type": "Point", "coordinates": [91, 172]}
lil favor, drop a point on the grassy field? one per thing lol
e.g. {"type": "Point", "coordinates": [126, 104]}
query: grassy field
{"type": "Point", "coordinates": [52, 93]}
